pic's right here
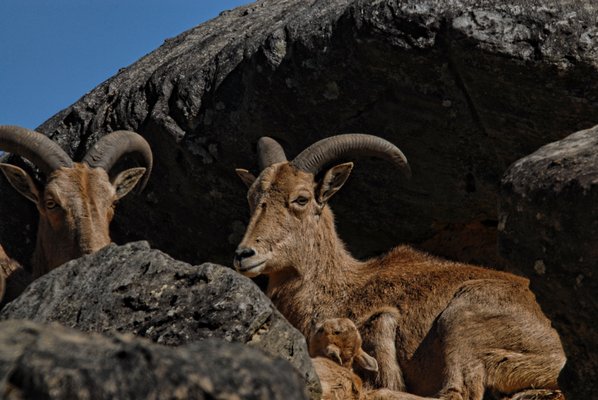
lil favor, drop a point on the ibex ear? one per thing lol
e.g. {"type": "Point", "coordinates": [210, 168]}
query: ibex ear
{"type": "Point", "coordinates": [333, 180]}
{"type": "Point", "coordinates": [21, 181]}
{"type": "Point", "coordinates": [126, 181]}
{"type": "Point", "coordinates": [247, 177]}
{"type": "Point", "coordinates": [365, 361]}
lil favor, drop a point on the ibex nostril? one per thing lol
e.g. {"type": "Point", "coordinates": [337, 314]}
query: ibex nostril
{"type": "Point", "coordinates": [244, 252]}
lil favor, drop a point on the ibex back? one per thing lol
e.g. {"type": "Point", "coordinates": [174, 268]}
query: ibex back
{"type": "Point", "coordinates": [436, 328]}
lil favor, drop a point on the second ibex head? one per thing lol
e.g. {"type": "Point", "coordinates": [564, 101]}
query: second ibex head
{"type": "Point", "coordinates": [76, 203]}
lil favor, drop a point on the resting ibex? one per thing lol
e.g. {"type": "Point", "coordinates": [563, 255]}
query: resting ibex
{"type": "Point", "coordinates": [76, 203]}
{"type": "Point", "coordinates": [334, 346]}
{"type": "Point", "coordinates": [457, 329]}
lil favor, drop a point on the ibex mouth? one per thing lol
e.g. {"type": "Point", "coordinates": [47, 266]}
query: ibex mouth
{"type": "Point", "coordinates": [251, 267]}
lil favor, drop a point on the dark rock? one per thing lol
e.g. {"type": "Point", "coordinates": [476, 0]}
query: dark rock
{"type": "Point", "coordinates": [465, 88]}
{"type": "Point", "coordinates": [549, 231]}
{"type": "Point", "coordinates": [133, 289]}
{"type": "Point", "coordinates": [53, 362]}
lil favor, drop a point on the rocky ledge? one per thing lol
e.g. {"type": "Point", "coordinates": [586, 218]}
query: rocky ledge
{"type": "Point", "coordinates": [53, 362]}
{"type": "Point", "coordinates": [134, 289]}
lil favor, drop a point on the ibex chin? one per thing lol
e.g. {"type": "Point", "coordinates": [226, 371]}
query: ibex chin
{"type": "Point", "coordinates": [77, 201]}
{"type": "Point", "coordinates": [436, 328]}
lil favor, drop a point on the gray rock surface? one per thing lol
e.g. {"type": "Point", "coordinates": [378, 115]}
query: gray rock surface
{"type": "Point", "coordinates": [464, 88]}
{"type": "Point", "coordinates": [133, 289]}
{"type": "Point", "coordinates": [549, 231]}
{"type": "Point", "coordinates": [53, 362]}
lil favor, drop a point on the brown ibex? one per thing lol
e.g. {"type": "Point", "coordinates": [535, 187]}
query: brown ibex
{"type": "Point", "coordinates": [458, 329]}
{"type": "Point", "coordinates": [77, 201]}
{"type": "Point", "coordinates": [334, 345]}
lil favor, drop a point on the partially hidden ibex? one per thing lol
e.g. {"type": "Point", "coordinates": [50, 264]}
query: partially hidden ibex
{"type": "Point", "coordinates": [76, 202]}
{"type": "Point", "coordinates": [455, 329]}
{"type": "Point", "coordinates": [334, 346]}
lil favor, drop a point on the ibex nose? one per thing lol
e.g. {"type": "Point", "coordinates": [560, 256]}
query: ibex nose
{"type": "Point", "coordinates": [243, 252]}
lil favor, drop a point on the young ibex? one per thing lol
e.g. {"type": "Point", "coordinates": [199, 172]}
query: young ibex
{"type": "Point", "coordinates": [76, 203]}
{"type": "Point", "coordinates": [457, 330]}
{"type": "Point", "coordinates": [334, 345]}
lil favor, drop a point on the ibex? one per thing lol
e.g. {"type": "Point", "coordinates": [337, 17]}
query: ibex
{"type": "Point", "coordinates": [77, 201]}
{"type": "Point", "coordinates": [457, 330]}
{"type": "Point", "coordinates": [334, 345]}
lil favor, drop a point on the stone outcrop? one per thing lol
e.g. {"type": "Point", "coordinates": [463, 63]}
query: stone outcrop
{"type": "Point", "coordinates": [133, 289]}
{"type": "Point", "coordinates": [549, 231]}
{"type": "Point", "coordinates": [54, 362]}
{"type": "Point", "coordinates": [465, 88]}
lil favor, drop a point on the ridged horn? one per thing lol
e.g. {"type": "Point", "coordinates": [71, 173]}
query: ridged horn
{"type": "Point", "coordinates": [316, 156]}
{"type": "Point", "coordinates": [269, 152]}
{"type": "Point", "coordinates": [109, 149]}
{"type": "Point", "coordinates": [37, 148]}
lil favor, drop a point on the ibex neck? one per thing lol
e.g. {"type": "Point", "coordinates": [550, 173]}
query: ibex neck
{"type": "Point", "coordinates": [320, 266]}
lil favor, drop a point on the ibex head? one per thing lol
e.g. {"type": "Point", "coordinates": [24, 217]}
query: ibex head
{"type": "Point", "coordinates": [339, 340]}
{"type": "Point", "coordinates": [77, 202]}
{"type": "Point", "coordinates": [288, 200]}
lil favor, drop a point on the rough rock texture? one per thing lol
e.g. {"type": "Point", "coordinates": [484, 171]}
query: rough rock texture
{"type": "Point", "coordinates": [53, 362]}
{"type": "Point", "coordinates": [132, 289]}
{"type": "Point", "coordinates": [549, 231]}
{"type": "Point", "coordinates": [464, 87]}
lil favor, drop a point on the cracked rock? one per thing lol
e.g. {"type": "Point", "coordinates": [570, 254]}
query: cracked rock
{"type": "Point", "coordinates": [58, 363]}
{"type": "Point", "coordinates": [549, 205]}
{"type": "Point", "coordinates": [133, 289]}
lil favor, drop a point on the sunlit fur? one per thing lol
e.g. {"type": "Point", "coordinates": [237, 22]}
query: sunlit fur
{"type": "Point", "coordinates": [75, 208]}
{"type": "Point", "coordinates": [334, 346]}
{"type": "Point", "coordinates": [456, 329]}
{"type": "Point", "coordinates": [79, 222]}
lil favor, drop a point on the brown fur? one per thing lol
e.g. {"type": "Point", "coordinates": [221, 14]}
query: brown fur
{"type": "Point", "coordinates": [13, 278]}
{"type": "Point", "coordinates": [75, 208]}
{"type": "Point", "coordinates": [334, 345]}
{"type": "Point", "coordinates": [338, 382]}
{"type": "Point", "coordinates": [458, 328]}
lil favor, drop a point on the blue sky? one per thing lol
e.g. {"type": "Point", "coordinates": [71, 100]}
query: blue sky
{"type": "Point", "coordinates": [52, 52]}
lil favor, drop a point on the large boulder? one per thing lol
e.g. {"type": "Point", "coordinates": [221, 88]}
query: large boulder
{"type": "Point", "coordinates": [133, 289]}
{"type": "Point", "coordinates": [549, 231]}
{"type": "Point", "coordinates": [464, 87]}
{"type": "Point", "coordinates": [54, 362]}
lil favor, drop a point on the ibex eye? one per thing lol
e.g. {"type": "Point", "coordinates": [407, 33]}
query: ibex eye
{"type": "Point", "coordinates": [50, 204]}
{"type": "Point", "coordinates": [301, 200]}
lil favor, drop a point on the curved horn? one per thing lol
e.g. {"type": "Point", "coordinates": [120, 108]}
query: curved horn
{"type": "Point", "coordinates": [37, 148]}
{"type": "Point", "coordinates": [316, 156]}
{"type": "Point", "coordinates": [269, 152]}
{"type": "Point", "coordinates": [109, 149]}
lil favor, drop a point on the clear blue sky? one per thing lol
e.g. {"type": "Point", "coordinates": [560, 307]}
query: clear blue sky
{"type": "Point", "coordinates": [52, 52]}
